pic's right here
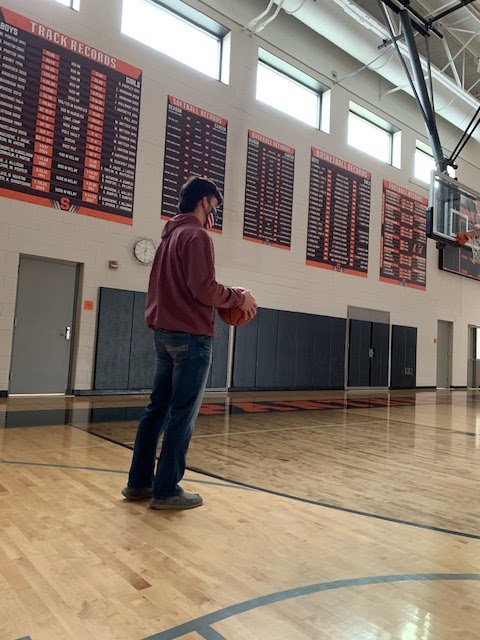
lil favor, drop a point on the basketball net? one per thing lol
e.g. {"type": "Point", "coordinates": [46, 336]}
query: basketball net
{"type": "Point", "coordinates": [471, 240]}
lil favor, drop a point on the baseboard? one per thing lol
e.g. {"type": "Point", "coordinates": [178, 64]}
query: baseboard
{"type": "Point", "coordinates": [432, 388]}
{"type": "Point", "coordinates": [111, 392]}
{"type": "Point", "coordinates": [394, 388]}
{"type": "Point", "coordinates": [236, 389]}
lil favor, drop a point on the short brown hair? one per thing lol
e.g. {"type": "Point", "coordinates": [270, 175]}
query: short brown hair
{"type": "Point", "coordinates": [194, 190]}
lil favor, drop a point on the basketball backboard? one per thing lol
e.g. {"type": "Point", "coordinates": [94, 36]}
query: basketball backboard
{"type": "Point", "coordinates": [453, 209]}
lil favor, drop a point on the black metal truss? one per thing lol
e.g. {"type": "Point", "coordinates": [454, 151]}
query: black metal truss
{"type": "Point", "coordinates": [410, 21]}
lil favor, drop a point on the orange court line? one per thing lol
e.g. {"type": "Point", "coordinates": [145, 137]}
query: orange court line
{"type": "Point", "coordinates": [212, 410]}
{"type": "Point", "coordinates": [309, 404]}
{"type": "Point", "coordinates": [250, 407]}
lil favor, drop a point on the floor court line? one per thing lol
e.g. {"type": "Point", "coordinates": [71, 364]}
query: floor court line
{"type": "Point", "coordinates": [22, 417]}
{"type": "Point", "coordinates": [291, 497]}
{"type": "Point", "coordinates": [370, 423]}
{"type": "Point", "coordinates": [208, 633]}
{"type": "Point", "coordinates": [338, 508]}
{"type": "Point", "coordinates": [379, 421]}
{"type": "Point", "coordinates": [226, 482]}
{"type": "Point", "coordinates": [283, 429]}
{"type": "Point", "coordinates": [202, 625]}
{"type": "Point", "coordinates": [376, 421]}
{"type": "Point", "coordinates": [60, 466]}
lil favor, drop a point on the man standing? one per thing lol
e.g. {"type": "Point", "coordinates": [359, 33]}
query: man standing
{"type": "Point", "coordinates": [182, 296]}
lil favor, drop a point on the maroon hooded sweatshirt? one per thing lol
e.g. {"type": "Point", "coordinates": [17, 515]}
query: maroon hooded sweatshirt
{"type": "Point", "coordinates": [182, 292]}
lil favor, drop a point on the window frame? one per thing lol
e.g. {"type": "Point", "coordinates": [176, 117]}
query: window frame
{"type": "Point", "coordinates": [298, 78]}
{"type": "Point", "coordinates": [393, 133]}
{"type": "Point", "coordinates": [70, 4]}
{"type": "Point", "coordinates": [194, 19]}
{"type": "Point", "coordinates": [424, 150]}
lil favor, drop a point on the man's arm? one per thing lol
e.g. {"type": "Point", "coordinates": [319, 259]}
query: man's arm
{"type": "Point", "coordinates": [199, 268]}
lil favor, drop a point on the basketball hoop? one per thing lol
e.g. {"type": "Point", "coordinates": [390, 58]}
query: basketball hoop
{"type": "Point", "coordinates": [471, 240]}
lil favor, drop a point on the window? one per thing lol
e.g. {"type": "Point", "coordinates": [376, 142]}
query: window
{"type": "Point", "coordinates": [178, 31]}
{"type": "Point", "coordinates": [424, 163]}
{"type": "Point", "coordinates": [373, 135]}
{"type": "Point", "coordinates": [73, 4]}
{"type": "Point", "coordinates": [288, 89]}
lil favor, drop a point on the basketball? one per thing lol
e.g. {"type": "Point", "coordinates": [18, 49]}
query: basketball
{"type": "Point", "coordinates": [233, 316]}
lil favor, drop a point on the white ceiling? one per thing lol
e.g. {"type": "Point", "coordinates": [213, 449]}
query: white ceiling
{"type": "Point", "coordinates": [458, 52]}
{"type": "Point", "coordinates": [358, 27]}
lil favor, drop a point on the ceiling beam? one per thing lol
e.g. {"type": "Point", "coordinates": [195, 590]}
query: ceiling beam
{"type": "Point", "coordinates": [421, 25]}
{"type": "Point", "coordinates": [447, 12]}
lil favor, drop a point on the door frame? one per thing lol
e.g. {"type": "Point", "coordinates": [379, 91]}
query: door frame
{"type": "Point", "coordinates": [445, 352]}
{"type": "Point", "coordinates": [473, 364]}
{"type": "Point", "coordinates": [75, 315]}
{"type": "Point", "coordinates": [369, 315]}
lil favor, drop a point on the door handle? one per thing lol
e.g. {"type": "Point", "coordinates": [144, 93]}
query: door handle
{"type": "Point", "coordinates": [67, 333]}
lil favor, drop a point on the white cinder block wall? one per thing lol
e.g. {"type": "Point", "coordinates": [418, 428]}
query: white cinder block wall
{"type": "Point", "coordinates": [279, 279]}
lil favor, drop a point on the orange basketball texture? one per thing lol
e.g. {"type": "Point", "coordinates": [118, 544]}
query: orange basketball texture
{"type": "Point", "coordinates": [233, 316]}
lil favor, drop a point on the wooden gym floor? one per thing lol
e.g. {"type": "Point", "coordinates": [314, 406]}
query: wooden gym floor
{"type": "Point", "coordinates": [326, 516]}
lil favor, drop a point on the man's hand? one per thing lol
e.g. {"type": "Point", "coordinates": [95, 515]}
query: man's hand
{"type": "Point", "coordinates": [249, 306]}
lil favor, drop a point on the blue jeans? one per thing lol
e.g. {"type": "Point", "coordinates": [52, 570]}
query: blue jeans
{"type": "Point", "coordinates": [182, 365]}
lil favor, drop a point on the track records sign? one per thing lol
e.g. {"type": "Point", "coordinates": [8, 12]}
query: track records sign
{"type": "Point", "coordinates": [338, 215]}
{"type": "Point", "coordinates": [68, 122]}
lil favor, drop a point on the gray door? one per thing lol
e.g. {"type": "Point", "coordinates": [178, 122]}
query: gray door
{"type": "Point", "coordinates": [42, 336]}
{"type": "Point", "coordinates": [359, 351]}
{"type": "Point", "coordinates": [473, 371]}
{"type": "Point", "coordinates": [368, 354]}
{"type": "Point", "coordinates": [444, 354]}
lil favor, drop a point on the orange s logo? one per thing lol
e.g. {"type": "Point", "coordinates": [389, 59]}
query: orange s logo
{"type": "Point", "coordinates": [65, 204]}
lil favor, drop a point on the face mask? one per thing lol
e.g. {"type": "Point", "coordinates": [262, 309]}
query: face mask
{"type": "Point", "coordinates": [210, 218]}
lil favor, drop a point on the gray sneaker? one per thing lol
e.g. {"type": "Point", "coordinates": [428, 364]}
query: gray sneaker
{"type": "Point", "coordinates": [131, 493]}
{"type": "Point", "coordinates": [182, 501]}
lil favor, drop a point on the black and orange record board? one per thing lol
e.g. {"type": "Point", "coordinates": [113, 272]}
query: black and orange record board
{"type": "Point", "coordinates": [338, 215]}
{"type": "Point", "coordinates": [404, 242]}
{"type": "Point", "coordinates": [195, 144]}
{"type": "Point", "coordinates": [269, 191]}
{"type": "Point", "coordinates": [459, 260]}
{"type": "Point", "coordinates": [69, 118]}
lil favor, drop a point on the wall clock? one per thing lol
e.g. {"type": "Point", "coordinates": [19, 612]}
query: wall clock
{"type": "Point", "coordinates": [143, 251]}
